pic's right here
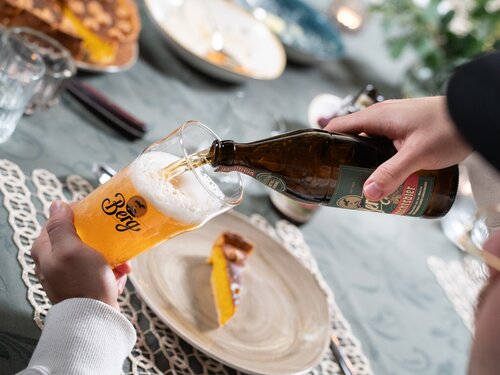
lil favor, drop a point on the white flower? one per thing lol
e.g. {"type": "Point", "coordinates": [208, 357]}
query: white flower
{"type": "Point", "coordinates": [462, 5]}
{"type": "Point", "coordinates": [460, 24]}
{"type": "Point", "coordinates": [444, 7]}
{"type": "Point", "coordinates": [421, 3]}
{"type": "Point", "coordinates": [492, 6]}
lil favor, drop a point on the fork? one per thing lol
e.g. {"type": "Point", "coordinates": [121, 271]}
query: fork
{"type": "Point", "coordinates": [217, 39]}
{"type": "Point", "coordinates": [345, 364]}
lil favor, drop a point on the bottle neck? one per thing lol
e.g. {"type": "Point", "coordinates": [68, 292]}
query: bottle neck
{"type": "Point", "coordinates": [223, 153]}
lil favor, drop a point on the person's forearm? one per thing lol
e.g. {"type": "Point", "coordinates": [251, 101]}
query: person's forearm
{"type": "Point", "coordinates": [82, 336]}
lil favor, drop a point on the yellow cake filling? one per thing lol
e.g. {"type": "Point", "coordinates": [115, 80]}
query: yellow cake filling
{"type": "Point", "coordinates": [99, 51]}
{"type": "Point", "coordinates": [221, 284]}
{"type": "Point", "coordinates": [229, 254]}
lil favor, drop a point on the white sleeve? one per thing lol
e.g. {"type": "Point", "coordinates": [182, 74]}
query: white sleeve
{"type": "Point", "coordinates": [82, 337]}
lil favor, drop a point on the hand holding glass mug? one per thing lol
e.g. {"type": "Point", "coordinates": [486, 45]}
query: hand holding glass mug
{"type": "Point", "coordinates": [141, 207]}
{"type": "Point", "coordinates": [68, 268]}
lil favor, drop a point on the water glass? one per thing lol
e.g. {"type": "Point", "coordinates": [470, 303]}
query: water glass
{"type": "Point", "coordinates": [21, 69]}
{"type": "Point", "coordinates": [477, 232]}
{"type": "Point", "coordinates": [59, 67]}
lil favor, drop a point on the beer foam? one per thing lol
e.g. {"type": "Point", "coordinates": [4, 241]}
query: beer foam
{"type": "Point", "coordinates": [187, 201]}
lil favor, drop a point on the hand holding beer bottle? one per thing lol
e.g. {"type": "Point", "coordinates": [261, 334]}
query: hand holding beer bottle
{"type": "Point", "coordinates": [421, 131]}
{"type": "Point", "coordinates": [319, 167]}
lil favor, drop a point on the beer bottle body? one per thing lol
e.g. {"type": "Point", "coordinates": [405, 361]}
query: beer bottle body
{"type": "Point", "coordinates": [315, 166]}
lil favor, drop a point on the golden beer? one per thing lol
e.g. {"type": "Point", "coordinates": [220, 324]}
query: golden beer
{"type": "Point", "coordinates": [140, 207]}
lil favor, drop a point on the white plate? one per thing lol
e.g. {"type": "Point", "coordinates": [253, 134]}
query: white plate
{"type": "Point", "coordinates": [282, 324]}
{"type": "Point", "coordinates": [188, 28]}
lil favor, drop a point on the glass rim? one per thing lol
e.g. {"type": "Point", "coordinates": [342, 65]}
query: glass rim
{"type": "Point", "coordinates": [470, 247]}
{"type": "Point", "coordinates": [70, 63]}
{"type": "Point", "coordinates": [230, 202]}
{"type": "Point", "coordinates": [35, 54]}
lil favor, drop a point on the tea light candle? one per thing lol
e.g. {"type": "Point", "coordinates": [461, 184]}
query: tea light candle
{"type": "Point", "coordinates": [348, 18]}
{"type": "Point", "coordinates": [349, 14]}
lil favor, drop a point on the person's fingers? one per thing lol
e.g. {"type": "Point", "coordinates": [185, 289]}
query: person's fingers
{"type": "Point", "coordinates": [389, 176]}
{"type": "Point", "coordinates": [121, 272]}
{"type": "Point", "coordinates": [40, 246]}
{"type": "Point", "coordinates": [41, 252]}
{"type": "Point", "coordinates": [377, 119]}
{"type": "Point", "coordinates": [123, 269]}
{"type": "Point", "coordinates": [60, 228]}
{"type": "Point", "coordinates": [121, 281]}
{"type": "Point", "coordinates": [492, 246]}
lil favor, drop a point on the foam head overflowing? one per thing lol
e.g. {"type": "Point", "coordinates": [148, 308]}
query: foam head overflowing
{"type": "Point", "coordinates": [184, 199]}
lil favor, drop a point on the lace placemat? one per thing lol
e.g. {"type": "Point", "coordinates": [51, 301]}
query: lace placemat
{"type": "Point", "coordinates": [462, 281]}
{"type": "Point", "coordinates": [158, 349]}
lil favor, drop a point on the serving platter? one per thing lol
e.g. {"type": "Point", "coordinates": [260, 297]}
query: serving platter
{"type": "Point", "coordinates": [282, 323]}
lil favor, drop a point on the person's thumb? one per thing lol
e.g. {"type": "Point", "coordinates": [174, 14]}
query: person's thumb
{"type": "Point", "coordinates": [60, 227]}
{"type": "Point", "coordinates": [388, 177]}
{"type": "Point", "coordinates": [492, 246]}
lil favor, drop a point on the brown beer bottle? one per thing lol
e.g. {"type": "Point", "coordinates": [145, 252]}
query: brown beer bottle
{"type": "Point", "coordinates": [316, 166]}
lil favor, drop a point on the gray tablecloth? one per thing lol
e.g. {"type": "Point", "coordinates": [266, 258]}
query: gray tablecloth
{"type": "Point", "coordinates": [375, 264]}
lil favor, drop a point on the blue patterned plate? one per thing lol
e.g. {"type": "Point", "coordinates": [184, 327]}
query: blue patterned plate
{"type": "Point", "coordinates": [307, 34]}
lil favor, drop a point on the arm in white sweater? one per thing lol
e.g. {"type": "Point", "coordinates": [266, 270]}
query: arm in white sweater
{"type": "Point", "coordinates": [82, 337]}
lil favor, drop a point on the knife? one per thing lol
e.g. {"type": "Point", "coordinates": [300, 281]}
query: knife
{"type": "Point", "coordinates": [106, 110]}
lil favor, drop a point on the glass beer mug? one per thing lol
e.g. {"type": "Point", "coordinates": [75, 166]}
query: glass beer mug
{"type": "Point", "coordinates": [142, 206]}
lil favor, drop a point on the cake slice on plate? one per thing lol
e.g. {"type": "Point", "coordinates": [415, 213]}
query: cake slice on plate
{"type": "Point", "coordinates": [228, 259]}
{"type": "Point", "coordinates": [96, 32]}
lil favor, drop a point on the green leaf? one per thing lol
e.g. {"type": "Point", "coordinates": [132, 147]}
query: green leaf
{"type": "Point", "coordinates": [396, 46]}
{"type": "Point", "coordinates": [431, 13]}
{"type": "Point", "coordinates": [425, 46]}
{"type": "Point", "coordinates": [427, 32]}
{"type": "Point", "coordinates": [445, 21]}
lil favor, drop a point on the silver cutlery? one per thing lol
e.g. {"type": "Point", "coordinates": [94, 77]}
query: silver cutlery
{"type": "Point", "coordinates": [344, 362]}
{"type": "Point", "coordinates": [102, 172]}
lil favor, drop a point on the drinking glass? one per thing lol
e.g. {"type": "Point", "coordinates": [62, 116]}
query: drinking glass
{"type": "Point", "coordinates": [59, 67]}
{"type": "Point", "coordinates": [21, 68]}
{"type": "Point", "coordinates": [140, 207]}
{"type": "Point", "coordinates": [477, 231]}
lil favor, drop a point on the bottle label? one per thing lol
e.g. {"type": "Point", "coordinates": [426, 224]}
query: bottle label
{"type": "Point", "coordinates": [271, 181]}
{"type": "Point", "coordinates": [411, 199]}
{"type": "Point", "coordinates": [236, 168]}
